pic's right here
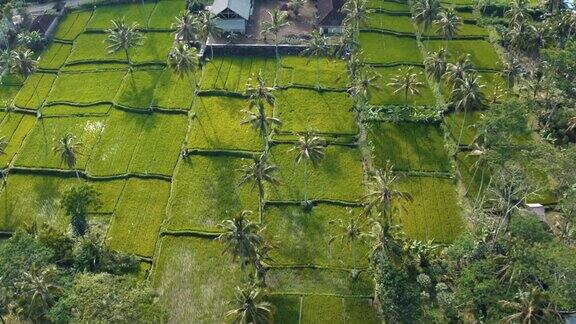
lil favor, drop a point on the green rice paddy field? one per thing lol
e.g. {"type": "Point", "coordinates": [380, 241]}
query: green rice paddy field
{"type": "Point", "coordinates": [134, 124]}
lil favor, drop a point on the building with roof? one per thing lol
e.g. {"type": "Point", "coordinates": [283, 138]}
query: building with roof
{"type": "Point", "coordinates": [330, 16]}
{"type": "Point", "coordinates": [232, 15]}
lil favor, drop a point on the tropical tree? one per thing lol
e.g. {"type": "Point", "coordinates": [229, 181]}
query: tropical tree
{"type": "Point", "coordinates": [309, 148]}
{"type": "Point", "coordinates": [258, 173]}
{"type": "Point", "coordinates": [278, 20]}
{"type": "Point", "coordinates": [448, 24]}
{"type": "Point", "coordinates": [251, 308]}
{"type": "Point", "coordinates": [316, 47]}
{"type": "Point", "coordinates": [38, 290]}
{"type": "Point", "coordinates": [206, 27]}
{"type": "Point", "coordinates": [406, 81]}
{"type": "Point", "coordinates": [260, 96]}
{"type": "Point", "coordinates": [123, 37]}
{"type": "Point", "coordinates": [466, 96]}
{"type": "Point", "coordinates": [295, 6]}
{"type": "Point", "coordinates": [436, 64]}
{"type": "Point", "coordinates": [425, 12]}
{"type": "Point", "coordinates": [362, 87]}
{"type": "Point", "coordinates": [456, 72]}
{"type": "Point", "coordinates": [532, 306]}
{"type": "Point", "coordinates": [242, 238]}
{"type": "Point", "coordinates": [518, 12]}
{"type": "Point", "coordinates": [351, 231]}
{"type": "Point", "coordinates": [185, 27]}
{"type": "Point", "coordinates": [68, 148]}
{"type": "Point", "coordinates": [387, 239]}
{"type": "Point", "coordinates": [22, 62]}
{"type": "Point", "coordinates": [356, 13]}
{"type": "Point", "coordinates": [183, 60]}
{"type": "Point", "coordinates": [511, 71]}
{"type": "Point", "coordinates": [382, 192]}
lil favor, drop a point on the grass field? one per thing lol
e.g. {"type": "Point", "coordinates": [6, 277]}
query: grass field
{"type": "Point", "coordinates": [132, 14]}
{"type": "Point", "coordinates": [7, 94]}
{"type": "Point", "coordinates": [482, 53]}
{"type": "Point", "coordinates": [97, 87]}
{"type": "Point", "coordinates": [14, 127]}
{"type": "Point", "coordinates": [391, 6]}
{"type": "Point", "coordinates": [73, 25]}
{"type": "Point", "coordinates": [388, 49]}
{"type": "Point", "coordinates": [35, 90]}
{"type": "Point", "coordinates": [54, 56]}
{"type": "Point", "coordinates": [395, 23]}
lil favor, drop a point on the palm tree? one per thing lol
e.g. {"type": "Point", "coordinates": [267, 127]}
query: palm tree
{"type": "Point", "coordinates": [278, 20]}
{"type": "Point", "coordinates": [388, 240]}
{"type": "Point", "coordinates": [531, 307]}
{"type": "Point", "coordinates": [406, 81]}
{"type": "Point", "coordinates": [295, 6]}
{"type": "Point", "coordinates": [260, 96]}
{"type": "Point", "coordinates": [308, 148]}
{"type": "Point", "coordinates": [317, 47]}
{"type": "Point", "coordinates": [468, 95]}
{"type": "Point", "coordinates": [352, 231]}
{"type": "Point", "coordinates": [456, 72]}
{"type": "Point", "coordinates": [425, 12]}
{"type": "Point", "coordinates": [436, 64]}
{"type": "Point", "coordinates": [448, 24]}
{"type": "Point", "coordinates": [242, 238]}
{"type": "Point", "coordinates": [22, 62]}
{"type": "Point", "coordinates": [382, 193]}
{"type": "Point", "coordinates": [356, 13]}
{"type": "Point", "coordinates": [122, 37]}
{"type": "Point", "coordinates": [512, 71]}
{"type": "Point", "coordinates": [183, 60]}
{"type": "Point", "coordinates": [260, 172]}
{"type": "Point", "coordinates": [185, 27]}
{"type": "Point", "coordinates": [362, 87]}
{"type": "Point", "coordinates": [39, 289]}
{"type": "Point", "coordinates": [68, 148]}
{"type": "Point", "coordinates": [3, 145]}
{"type": "Point", "coordinates": [518, 13]}
{"type": "Point", "coordinates": [206, 24]}
{"type": "Point", "coordinates": [250, 307]}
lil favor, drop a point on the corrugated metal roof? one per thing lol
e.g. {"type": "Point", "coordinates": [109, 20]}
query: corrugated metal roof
{"type": "Point", "coordinates": [241, 7]}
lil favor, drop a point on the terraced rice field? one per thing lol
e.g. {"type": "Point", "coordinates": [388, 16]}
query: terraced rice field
{"type": "Point", "coordinates": [135, 123]}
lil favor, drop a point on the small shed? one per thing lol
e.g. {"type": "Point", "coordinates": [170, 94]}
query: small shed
{"type": "Point", "coordinates": [330, 16]}
{"type": "Point", "coordinates": [232, 15]}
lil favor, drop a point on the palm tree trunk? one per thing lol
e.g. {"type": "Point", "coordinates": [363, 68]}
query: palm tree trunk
{"type": "Point", "coordinates": [261, 201]}
{"type": "Point", "coordinates": [277, 59]}
{"type": "Point", "coordinates": [305, 181]}
{"type": "Point", "coordinates": [353, 243]}
{"type": "Point", "coordinates": [462, 127]}
{"type": "Point", "coordinates": [318, 72]}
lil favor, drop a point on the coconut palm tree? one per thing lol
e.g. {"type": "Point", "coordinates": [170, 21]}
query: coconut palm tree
{"type": "Point", "coordinates": [435, 64]}
{"type": "Point", "coordinates": [382, 193]}
{"type": "Point", "coordinates": [448, 24]}
{"type": "Point", "coordinates": [532, 306]}
{"type": "Point", "coordinates": [387, 239]}
{"type": "Point", "coordinates": [68, 148]}
{"type": "Point", "coordinates": [295, 6]}
{"type": "Point", "coordinates": [466, 96]}
{"type": "Point", "coordinates": [242, 238]}
{"type": "Point", "coordinates": [362, 87]}
{"type": "Point", "coordinates": [250, 308]}
{"type": "Point", "coordinates": [123, 37]}
{"type": "Point", "coordinates": [351, 231]}
{"type": "Point", "coordinates": [518, 12]}
{"type": "Point", "coordinates": [183, 60]}
{"type": "Point", "coordinates": [356, 13]}
{"type": "Point", "coordinates": [511, 71]}
{"type": "Point", "coordinates": [316, 47]}
{"type": "Point", "coordinates": [260, 96]}
{"type": "Point", "coordinates": [258, 173]}
{"type": "Point", "coordinates": [185, 27]}
{"type": "Point", "coordinates": [207, 28]}
{"type": "Point", "coordinates": [278, 20]}
{"type": "Point", "coordinates": [309, 148]}
{"type": "Point", "coordinates": [424, 13]}
{"type": "Point", "coordinates": [39, 289]}
{"type": "Point", "coordinates": [22, 62]}
{"type": "Point", "coordinates": [456, 72]}
{"type": "Point", "coordinates": [406, 81]}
